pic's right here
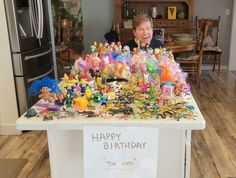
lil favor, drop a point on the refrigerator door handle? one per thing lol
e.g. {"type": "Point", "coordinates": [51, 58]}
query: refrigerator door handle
{"type": "Point", "coordinates": [40, 76]}
{"type": "Point", "coordinates": [41, 22]}
{"type": "Point", "coordinates": [37, 55]}
{"type": "Point", "coordinates": [31, 17]}
{"type": "Point", "coordinates": [39, 19]}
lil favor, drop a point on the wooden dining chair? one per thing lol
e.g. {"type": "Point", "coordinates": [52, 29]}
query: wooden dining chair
{"type": "Point", "coordinates": [190, 61]}
{"type": "Point", "coordinates": [211, 47]}
{"type": "Point", "coordinates": [63, 31]}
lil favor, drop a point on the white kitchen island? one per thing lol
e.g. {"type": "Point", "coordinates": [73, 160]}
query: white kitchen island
{"type": "Point", "coordinates": [65, 141]}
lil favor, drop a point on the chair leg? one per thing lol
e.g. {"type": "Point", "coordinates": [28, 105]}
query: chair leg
{"type": "Point", "coordinates": [214, 63]}
{"type": "Point", "coordinates": [219, 65]}
{"type": "Point", "coordinates": [69, 59]}
{"type": "Point", "coordinates": [59, 63]}
{"type": "Point", "coordinates": [59, 67]}
{"type": "Point", "coordinates": [198, 74]}
{"type": "Point", "coordinates": [197, 79]}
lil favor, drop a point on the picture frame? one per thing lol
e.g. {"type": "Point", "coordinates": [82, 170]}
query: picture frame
{"type": "Point", "coordinates": [128, 24]}
{"type": "Point", "coordinates": [171, 12]}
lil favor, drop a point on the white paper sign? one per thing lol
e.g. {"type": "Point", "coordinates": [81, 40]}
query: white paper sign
{"type": "Point", "coordinates": [120, 152]}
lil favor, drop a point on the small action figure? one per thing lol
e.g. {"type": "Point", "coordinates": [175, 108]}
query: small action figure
{"type": "Point", "coordinates": [47, 87]}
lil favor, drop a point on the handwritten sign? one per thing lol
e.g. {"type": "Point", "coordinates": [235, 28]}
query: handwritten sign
{"type": "Point", "coordinates": [112, 152]}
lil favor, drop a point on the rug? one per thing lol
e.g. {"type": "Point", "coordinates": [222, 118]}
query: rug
{"type": "Point", "coordinates": [10, 168]}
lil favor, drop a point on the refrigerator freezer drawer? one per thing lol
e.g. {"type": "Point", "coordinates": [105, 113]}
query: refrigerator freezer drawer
{"type": "Point", "coordinates": [22, 85]}
{"type": "Point", "coordinates": [31, 61]}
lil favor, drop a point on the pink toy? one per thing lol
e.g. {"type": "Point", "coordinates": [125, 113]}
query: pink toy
{"type": "Point", "coordinates": [168, 91]}
{"type": "Point", "coordinates": [80, 64]}
{"type": "Point", "coordinates": [186, 88]}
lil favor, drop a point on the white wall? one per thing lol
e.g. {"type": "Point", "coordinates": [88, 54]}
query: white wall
{"type": "Point", "coordinates": [8, 105]}
{"type": "Point", "coordinates": [97, 20]}
{"type": "Point", "coordinates": [232, 54]}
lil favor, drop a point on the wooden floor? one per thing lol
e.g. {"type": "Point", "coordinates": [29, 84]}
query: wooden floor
{"type": "Point", "coordinates": [213, 149]}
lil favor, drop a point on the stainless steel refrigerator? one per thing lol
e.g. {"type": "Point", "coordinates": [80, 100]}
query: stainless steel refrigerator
{"type": "Point", "coordinates": [31, 49]}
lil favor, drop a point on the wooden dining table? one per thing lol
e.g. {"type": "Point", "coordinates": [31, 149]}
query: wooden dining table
{"type": "Point", "coordinates": [181, 46]}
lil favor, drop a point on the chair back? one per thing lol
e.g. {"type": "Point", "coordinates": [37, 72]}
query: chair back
{"type": "Point", "coordinates": [202, 35]}
{"type": "Point", "coordinates": [64, 27]}
{"type": "Point", "coordinates": [213, 28]}
{"type": "Point", "coordinates": [191, 62]}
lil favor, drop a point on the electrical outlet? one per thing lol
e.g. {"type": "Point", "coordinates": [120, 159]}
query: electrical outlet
{"type": "Point", "coordinates": [227, 12]}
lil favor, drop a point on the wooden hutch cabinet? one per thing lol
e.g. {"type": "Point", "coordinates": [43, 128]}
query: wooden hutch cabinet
{"type": "Point", "coordinates": [125, 10]}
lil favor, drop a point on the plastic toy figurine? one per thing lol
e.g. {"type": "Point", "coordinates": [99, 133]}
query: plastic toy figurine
{"type": "Point", "coordinates": [127, 111]}
{"type": "Point", "coordinates": [68, 101]}
{"type": "Point", "coordinates": [80, 66]}
{"type": "Point", "coordinates": [168, 90]}
{"type": "Point", "coordinates": [70, 90]}
{"type": "Point", "coordinates": [81, 103]}
{"type": "Point", "coordinates": [93, 49]}
{"type": "Point", "coordinates": [103, 100]}
{"type": "Point", "coordinates": [43, 113]}
{"type": "Point", "coordinates": [46, 95]}
{"type": "Point", "coordinates": [47, 87]}
{"type": "Point", "coordinates": [83, 88]}
{"type": "Point", "coordinates": [110, 95]}
{"type": "Point", "coordinates": [65, 114]}
{"type": "Point", "coordinates": [88, 93]}
{"type": "Point", "coordinates": [48, 117]}
{"type": "Point", "coordinates": [72, 74]}
{"type": "Point", "coordinates": [177, 89]}
{"type": "Point", "coordinates": [97, 97]}
{"type": "Point", "coordinates": [186, 88]}
{"type": "Point", "coordinates": [144, 87]}
{"type": "Point", "coordinates": [31, 113]}
{"type": "Point", "coordinates": [152, 94]}
{"type": "Point", "coordinates": [103, 113]}
{"type": "Point", "coordinates": [103, 89]}
{"type": "Point", "coordinates": [88, 113]}
{"type": "Point", "coordinates": [99, 81]}
{"type": "Point", "coordinates": [65, 78]}
{"type": "Point", "coordinates": [49, 106]}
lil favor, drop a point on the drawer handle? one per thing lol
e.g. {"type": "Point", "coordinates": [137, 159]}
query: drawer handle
{"type": "Point", "coordinates": [40, 76]}
{"type": "Point", "coordinates": [38, 55]}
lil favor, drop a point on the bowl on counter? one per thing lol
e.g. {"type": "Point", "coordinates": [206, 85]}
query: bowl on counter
{"type": "Point", "coordinates": [183, 37]}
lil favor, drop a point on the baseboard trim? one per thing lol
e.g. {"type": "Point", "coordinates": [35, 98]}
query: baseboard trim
{"type": "Point", "coordinates": [210, 67]}
{"type": "Point", "coordinates": [9, 130]}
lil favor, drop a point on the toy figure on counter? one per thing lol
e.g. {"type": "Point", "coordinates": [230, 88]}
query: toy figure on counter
{"type": "Point", "coordinates": [81, 103]}
{"type": "Point", "coordinates": [46, 94]}
{"type": "Point", "coordinates": [72, 74]}
{"type": "Point", "coordinates": [103, 101]}
{"type": "Point", "coordinates": [168, 90]}
{"type": "Point", "coordinates": [115, 81]}
{"type": "Point", "coordinates": [186, 88]}
{"type": "Point", "coordinates": [68, 102]}
{"type": "Point", "coordinates": [46, 88]}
